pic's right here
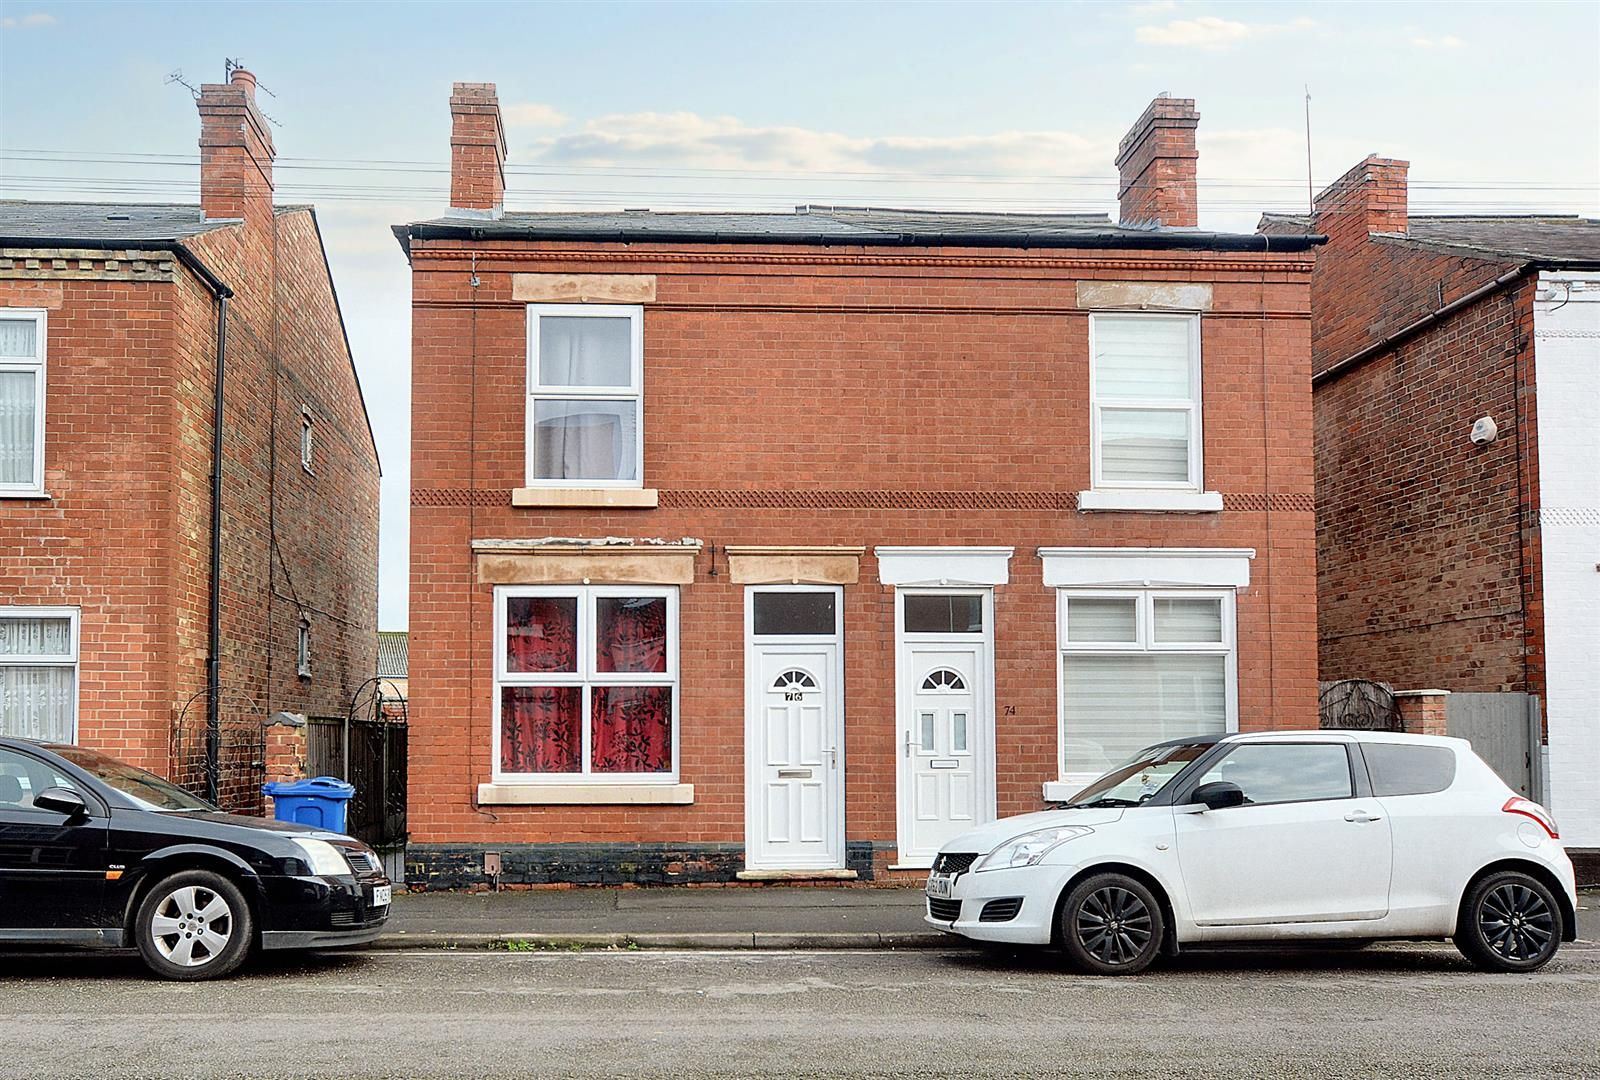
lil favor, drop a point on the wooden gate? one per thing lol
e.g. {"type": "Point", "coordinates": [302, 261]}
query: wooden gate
{"type": "Point", "coordinates": [1504, 730]}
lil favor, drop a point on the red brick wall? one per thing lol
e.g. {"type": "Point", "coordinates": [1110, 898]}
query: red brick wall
{"type": "Point", "coordinates": [1426, 571]}
{"type": "Point", "coordinates": [951, 380]}
{"type": "Point", "coordinates": [125, 534]}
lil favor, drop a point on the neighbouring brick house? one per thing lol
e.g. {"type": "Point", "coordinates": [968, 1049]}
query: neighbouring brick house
{"type": "Point", "coordinates": [1446, 560]}
{"type": "Point", "coordinates": [111, 325]}
{"type": "Point", "coordinates": [795, 543]}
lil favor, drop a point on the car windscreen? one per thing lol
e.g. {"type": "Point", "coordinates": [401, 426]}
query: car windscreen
{"type": "Point", "coordinates": [1142, 777]}
{"type": "Point", "coordinates": [146, 790]}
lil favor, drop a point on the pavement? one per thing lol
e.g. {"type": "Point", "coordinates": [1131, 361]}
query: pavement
{"type": "Point", "coordinates": [1403, 1011]}
{"type": "Point", "coordinates": [762, 917]}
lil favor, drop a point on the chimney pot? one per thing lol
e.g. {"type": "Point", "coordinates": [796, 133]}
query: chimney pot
{"type": "Point", "coordinates": [244, 80]}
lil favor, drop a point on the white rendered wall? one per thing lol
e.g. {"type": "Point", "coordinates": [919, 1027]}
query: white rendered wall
{"type": "Point", "coordinates": [1566, 327]}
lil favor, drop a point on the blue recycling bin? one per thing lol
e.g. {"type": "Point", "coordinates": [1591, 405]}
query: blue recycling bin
{"type": "Point", "coordinates": [320, 802]}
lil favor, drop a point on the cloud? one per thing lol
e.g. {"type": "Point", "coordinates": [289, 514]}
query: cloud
{"type": "Point", "coordinates": [684, 139]}
{"type": "Point", "coordinates": [1448, 41]}
{"type": "Point", "coordinates": [533, 114]}
{"type": "Point", "coordinates": [27, 22]}
{"type": "Point", "coordinates": [1211, 32]}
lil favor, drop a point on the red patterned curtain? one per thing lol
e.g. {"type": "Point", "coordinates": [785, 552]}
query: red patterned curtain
{"type": "Point", "coordinates": [540, 725]}
{"type": "Point", "coordinates": [631, 725]}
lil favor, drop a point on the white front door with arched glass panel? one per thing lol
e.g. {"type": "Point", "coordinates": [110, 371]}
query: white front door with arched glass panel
{"type": "Point", "coordinates": [946, 729]}
{"type": "Point", "coordinates": [794, 746]}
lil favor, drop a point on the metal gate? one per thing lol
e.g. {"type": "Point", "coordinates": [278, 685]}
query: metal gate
{"type": "Point", "coordinates": [367, 748]}
{"type": "Point", "coordinates": [1504, 730]}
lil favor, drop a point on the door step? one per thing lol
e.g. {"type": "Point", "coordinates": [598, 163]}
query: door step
{"type": "Point", "coordinates": [797, 875]}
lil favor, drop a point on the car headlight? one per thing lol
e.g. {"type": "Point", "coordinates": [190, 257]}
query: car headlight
{"type": "Point", "coordinates": [323, 858]}
{"type": "Point", "coordinates": [1030, 847]}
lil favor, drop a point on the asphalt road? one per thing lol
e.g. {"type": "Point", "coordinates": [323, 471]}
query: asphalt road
{"type": "Point", "coordinates": [1392, 1011]}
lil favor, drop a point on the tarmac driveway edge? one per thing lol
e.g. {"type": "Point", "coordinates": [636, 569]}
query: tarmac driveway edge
{"type": "Point", "coordinates": [755, 940]}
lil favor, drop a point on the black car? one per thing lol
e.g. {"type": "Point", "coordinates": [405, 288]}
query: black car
{"type": "Point", "coordinates": [96, 852]}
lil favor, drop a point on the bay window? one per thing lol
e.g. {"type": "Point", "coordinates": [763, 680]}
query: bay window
{"type": "Point", "coordinates": [586, 684]}
{"type": "Point", "coordinates": [39, 673]}
{"type": "Point", "coordinates": [1139, 666]}
{"type": "Point", "coordinates": [584, 404]}
{"type": "Point", "coordinates": [22, 384]}
{"type": "Point", "coordinates": [1145, 401]}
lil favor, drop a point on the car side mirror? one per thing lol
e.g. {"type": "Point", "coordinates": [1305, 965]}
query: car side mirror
{"type": "Point", "coordinates": [1218, 795]}
{"type": "Point", "coordinates": [62, 801]}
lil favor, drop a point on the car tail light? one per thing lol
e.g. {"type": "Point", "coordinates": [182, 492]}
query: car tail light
{"type": "Point", "coordinates": [1530, 809]}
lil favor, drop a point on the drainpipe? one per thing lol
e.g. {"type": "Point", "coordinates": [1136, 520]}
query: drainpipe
{"type": "Point", "coordinates": [214, 600]}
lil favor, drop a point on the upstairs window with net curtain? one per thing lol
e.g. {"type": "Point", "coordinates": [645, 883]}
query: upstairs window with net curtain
{"type": "Point", "coordinates": [1145, 390]}
{"type": "Point", "coordinates": [22, 334]}
{"type": "Point", "coordinates": [39, 673]}
{"type": "Point", "coordinates": [585, 395]}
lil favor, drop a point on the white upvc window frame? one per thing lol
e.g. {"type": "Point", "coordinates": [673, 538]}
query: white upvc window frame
{"type": "Point", "coordinates": [67, 659]}
{"type": "Point", "coordinates": [536, 391]}
{"type": "Point", "coordinates": [34, 487]}
{"type": "Point", "coordinates": [1144, 643]}
{"type": "Point", "coordinates": [1192, 408]}
{"type": "Point", "coordinates": [587, 677]}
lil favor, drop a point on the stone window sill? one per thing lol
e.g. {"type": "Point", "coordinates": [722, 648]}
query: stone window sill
{"type": "Point", "coordinates": [1169, 502]}
{"type": "Point", "coordinates": [585, 794]}
{"type": "Point", "coordinates": [618, 498]}
{"type": "Point", "coordinates": [43, 496]}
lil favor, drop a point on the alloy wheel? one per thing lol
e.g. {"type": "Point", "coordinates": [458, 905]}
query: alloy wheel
{"type": "Point", "coordinates": [192, 926]}
{"type": "Point", "coordinates": [1113, 925]}
{"type": "Point", "coordinates": [1516, 922]}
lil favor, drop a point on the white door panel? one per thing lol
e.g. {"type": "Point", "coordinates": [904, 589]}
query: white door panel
{"type": "Point", "coordinates": [1286, 862]}
{"type": "Point", "coordinates": [796, 824]}
{"type": "Point", "coordinates": [945, 707]}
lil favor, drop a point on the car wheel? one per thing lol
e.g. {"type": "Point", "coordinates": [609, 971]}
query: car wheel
{"type": "Point", "coordinates": [1111, 925]}
{"type": "Point", "coordinates": [1509, 922]}
{"type": "Point", "coordinates": [193, 925]}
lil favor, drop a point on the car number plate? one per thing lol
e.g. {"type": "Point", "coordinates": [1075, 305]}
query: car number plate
{"type": "Point", "coordinates": [939, 886]}
{"type": "Point", "coordinates": [381, 895]}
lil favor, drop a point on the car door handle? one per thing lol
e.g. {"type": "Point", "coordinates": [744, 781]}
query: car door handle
{"type": "Point", "coordinates": [1361, 816]}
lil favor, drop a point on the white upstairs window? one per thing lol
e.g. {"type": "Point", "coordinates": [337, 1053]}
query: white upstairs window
{"type": "Point", "coordinates": [22, 349]}
{"type": "Point", "coordinates": [585, 383]}
{"type": "Point", "coordinates": [1145, 402]}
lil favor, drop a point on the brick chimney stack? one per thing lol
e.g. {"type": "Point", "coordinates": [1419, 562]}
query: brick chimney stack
{"type": "Point", "coordinates": [1156, 162]}
{"type": "Point", "coordinates": [236, 150]}
{"type": "Point", "coordinates": [1370, 198]}
{"type": "Point", "coordinates": [477, 150]}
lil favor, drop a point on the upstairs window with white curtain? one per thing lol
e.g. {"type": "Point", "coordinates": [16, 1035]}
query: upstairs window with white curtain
{"type": "Point", "coordinates": [39, 673]}
{"type": "Point", "coordinates": [22, 341]}
{"type": "Point", "coordinates": [585, 403]}
{"type": "Point", "coordinates": [1145, 401]}
{"type": "Point", "coordinates": [1140, 666]}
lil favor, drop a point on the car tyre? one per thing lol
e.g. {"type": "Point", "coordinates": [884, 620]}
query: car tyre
{"type": "Point", "coordinates": [193, 925]}
{"type": "Point", "coordinates": [1111, 924]}
{"type": "Point", "coordinates": [1509, 922]}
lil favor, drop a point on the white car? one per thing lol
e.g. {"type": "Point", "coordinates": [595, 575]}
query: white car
{"type": "Point", "coordinates": [1300, 836]}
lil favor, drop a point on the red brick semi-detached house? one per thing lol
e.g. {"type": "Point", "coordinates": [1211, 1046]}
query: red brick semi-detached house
{"type": "Point", "coordinates": [110, 361]}
{"type": "Point", "coordinates": [750, 545]}
{"type": "Point", "coordinates": [1457, 397]}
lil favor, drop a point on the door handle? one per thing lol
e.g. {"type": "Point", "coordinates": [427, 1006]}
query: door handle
{"type": "Point", "coordinates": [1362, 816]}
{"type": "Point", "coordinates": [833, 757]}
{"type": "Point", "coordinates": [910, 742]}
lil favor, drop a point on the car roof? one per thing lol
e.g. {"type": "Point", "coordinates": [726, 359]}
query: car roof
{"type": "Point", "coordinates": [1343, 735]}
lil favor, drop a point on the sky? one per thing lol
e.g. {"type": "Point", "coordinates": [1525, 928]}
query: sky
{"type": "Point", "coordinates": [1006, 106]}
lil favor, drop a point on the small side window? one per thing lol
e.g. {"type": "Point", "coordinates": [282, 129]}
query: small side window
{"type": "Point", "coordinates": [307, 447]}
{"type": "Point", "coordinates": [1404, 769]}
{"type": "Point", "coordinates": [303, 649]}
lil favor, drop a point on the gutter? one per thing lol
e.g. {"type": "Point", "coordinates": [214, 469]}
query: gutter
{"type": "Point", "coordinates": [1411, 330]}
{"type": "Point", "coordinates": [220, 290]}
{"type": "Point", "coordinates": [1121, 239]}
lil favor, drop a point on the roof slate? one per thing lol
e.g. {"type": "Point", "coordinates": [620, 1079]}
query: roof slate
{"type": "Point", "coordinates": [1553, 239]}
{"type": "Point", "coordinates": [22, 219]}
{"type": "Point", "coordinates": [830, 225]}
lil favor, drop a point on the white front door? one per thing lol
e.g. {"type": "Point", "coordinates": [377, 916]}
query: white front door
{"type": "Point", "coordinates": [794, 749]}
{"type": "Point", "coordinates": [946, 733]}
